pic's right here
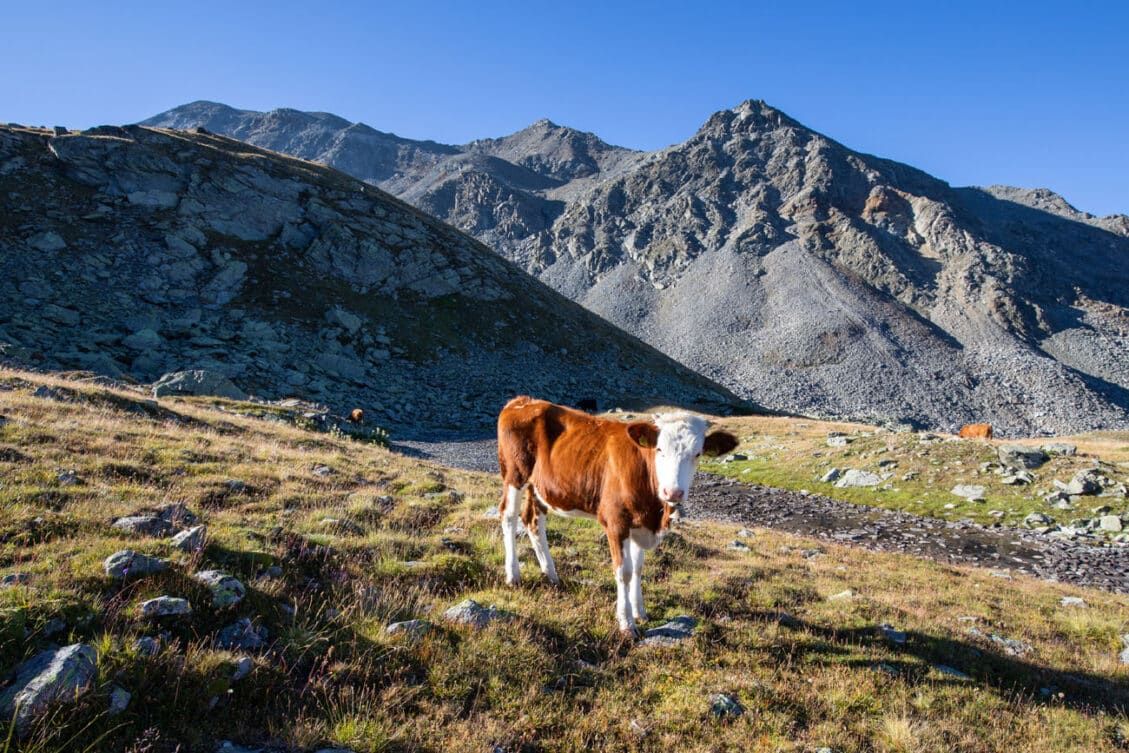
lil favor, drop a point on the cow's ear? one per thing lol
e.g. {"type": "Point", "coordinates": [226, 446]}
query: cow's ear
{"type": "Point", "coordinates": [643, 434]}
{"type": "Point", "coordinates": [719, 443]}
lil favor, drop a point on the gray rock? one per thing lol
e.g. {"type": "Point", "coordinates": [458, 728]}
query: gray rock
{"type": "Point", "coordinates": [243, 667]}
{"type": "Point", "coordinates": [1125, 651]}
{"type": "Point", "coordinates": [145, 339]}
{"type": "Point", "coordinates": [197, 382]}
{"type": "Point", "coordinates": [48, 241]}
{"type": "Point", "coordinates": [53, 676]}
{"type": "Point", "coordinates": [739, 546]}
{"type": "Point", "coordinates": [165, 606]}
{"type": "Point", "coordinates": [838, 441]}
{"type": "Point", "coordinates": [191, 540]}
{"type": "Point", "coordinates": [1019, 478]}
{"type": "Point", "coordinates": [856, 478]}
{"type": "Point", "coordinates": [470, 612]}
{"type": "Point", "coordinates": [1110, 523]}
{"type": "Point", "coordinates": [226, 590]}
{"type": "Point", "coordinates": [671, 633]}
{"type": "Point", "coordinates": [128, 563]}
{"type": "Point", "coordinates": [831, 476]}
{"type": "Point", "coordinates": [144, 525]}
{"type": "Point", "coordinates": [1073, 601]}
{"type": "Point", "coordinates": [410, 628]}
{"type": "Point", "coordinates": [147, 646]}
{"type": "Point", "coordinates": [897, 637]}
{"type": "Point", "coordinates": [12, 580]}
{"type": "Point", "coordinates": [1083, 483]}
{"type": "Point", "coordinates": [1059, 448]}
{"type": "Point", "coordinates": [1038, 520]}
{"type": "Point", "coordinates": [119, 700]}
{"type": "Point", "coordinates": [723, 705]}
{"type": "Point", "coordinates": [951, 671]}
{"type": "Point", "coordinates": [243, 635]}
{"type": "Point", "coordinates": [1019, 456]}
{"type": "Point", "coordinates": [970, 492]}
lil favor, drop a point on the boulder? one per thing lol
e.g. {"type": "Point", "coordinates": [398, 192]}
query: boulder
{"type": "Point", "coordinates": [226, 589]}
{"type": "Point", "coordinates": [53, 676]}
{"type": "Point", "coordinates": [671, 633]}
{"type": "Point", "coordinates": [1019, 478]}
{"type": "Point", "coordinates": [723, 705]}
{"type": "Point", "coordinates": [1059, 448]}
{"type": "Point", "coordinates": [191, 540]}
{"type": "Point", "coordinates": [1084, 482]}
{"type": "Point", "coordinates": [970, 492]}
{"type": "Point", "coordinates": [197, 382]}
{"type": "Point", "coordinates": [165, 606]}
{"type": "Point", "coordinates": [470, 612]}
{"type": "Point", "coordinates": [1018, 456]}
{"type": "Point", "coordinates": [856, 478]}
{"type": "Point", "coordinates": [1038, 520]}
{"type": "Point", "coordinates": [242, 635]}
{"type": "Point", "coordinates": [128, 563]}
{"type": "Point", "coordinates": [119, 700]}
{"type": "Point", "coordinates": [1110, 523]}
{"type": "Point", "coordinates": [831, 476]}
{"type": "Point", "coordinates": [410, 628]}
{"type": "Point", "coordinates": [145, 525]}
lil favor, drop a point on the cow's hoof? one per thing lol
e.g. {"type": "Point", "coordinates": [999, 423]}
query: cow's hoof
{"type": "Point", "coordinates": [641, 617]}
{"type": "Point", "coordinates": [629, 634]}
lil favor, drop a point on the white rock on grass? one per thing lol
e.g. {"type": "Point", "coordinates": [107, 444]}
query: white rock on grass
{"type": "Point", "coordinates": [53, 676]}
{"type": "Point", "coordinates": [191, 540]}
{"type": "Point", "coordinates": [197, 382]}
{"type": "Point", "coordinates": [856, 478]}
{"type": "Point", "coordinates": [470, 612]}
{"type": "Point", "coordinates": [1110, 523]}
{"type": "Point", "coordinates": [671, 633]}
{"type": "Point", "coordinates": [165, 606]}
{"type": "Point", "coordinates": [971, 492]}
{"type": "Point", "coordinates": [410, 628]}
{"type": "Point", "coordinates": [128, 563]}
{"type": "Point", "coordinates": [1073, 601]}
{"type": "Point", "coordinates": [226, 589]}
{"type": "Point", "coordinates": [848, 594]}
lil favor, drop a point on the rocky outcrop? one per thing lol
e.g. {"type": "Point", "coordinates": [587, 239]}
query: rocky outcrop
{"type": "Point", "coordinates": [798, 272]}
{"type": "Point", "coordinates": [54, 676]}
{"type": "Point", "coordinates": [138, 253]}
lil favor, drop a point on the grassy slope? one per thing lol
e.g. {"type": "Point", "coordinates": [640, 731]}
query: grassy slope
{"type": "Point", "coordinates": [793, 454]}
{"type": "Point", "coordinates": [333, 676]}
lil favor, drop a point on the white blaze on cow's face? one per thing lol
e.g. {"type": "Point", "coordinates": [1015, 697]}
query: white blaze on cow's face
{"type": "Point", "coordinates": [677, 449]}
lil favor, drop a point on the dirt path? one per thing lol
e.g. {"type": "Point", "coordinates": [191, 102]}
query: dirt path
{"type": "Point", "coordinates": [1002, 549]}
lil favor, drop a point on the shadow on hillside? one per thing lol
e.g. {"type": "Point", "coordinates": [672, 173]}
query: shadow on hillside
{"type": "Point", "coordinates": [1011, 676]}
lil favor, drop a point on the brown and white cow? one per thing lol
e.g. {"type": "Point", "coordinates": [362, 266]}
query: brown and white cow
{"type": "Point", "coordinates": [630, 477]}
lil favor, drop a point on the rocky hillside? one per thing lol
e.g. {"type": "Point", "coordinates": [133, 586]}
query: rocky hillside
{"type": "Point", "coordinates": [787, 266]}
{"type": "Point", "coordinates": [133, 252]}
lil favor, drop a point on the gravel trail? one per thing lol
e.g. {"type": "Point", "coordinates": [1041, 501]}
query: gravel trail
{"type": "Point", "coordinates": [1005, 550]}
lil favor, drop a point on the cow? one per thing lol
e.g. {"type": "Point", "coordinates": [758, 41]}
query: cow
{"type": "Point", "coordinates": [630, 477]}
{"type": "Point", "coordinates": [357, 416]}
{"type": "Point", "coordinates": [976, 431]}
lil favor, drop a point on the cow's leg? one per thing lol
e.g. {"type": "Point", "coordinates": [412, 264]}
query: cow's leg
{"type": "Point", "coordinates": [636, 594]}
{"type": "Point", "coordinates": [511, 514]}
{"type": "Point", "coordinates": [537, 537]}
{"type": "Point", "coordinates": [621, 566]}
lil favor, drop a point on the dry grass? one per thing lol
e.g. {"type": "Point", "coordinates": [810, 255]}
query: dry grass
{"type": "Point", "coordinates": [556, 678]}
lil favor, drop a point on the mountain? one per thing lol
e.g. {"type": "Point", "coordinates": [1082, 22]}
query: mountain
{"type": "Point", "coordinates": [805, 275]}
{"type": "Point", "coordinates": [132, 252]}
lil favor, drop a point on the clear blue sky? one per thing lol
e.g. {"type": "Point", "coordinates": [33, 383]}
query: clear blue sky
{"type": "Point", "coordinates": [1025, 93]}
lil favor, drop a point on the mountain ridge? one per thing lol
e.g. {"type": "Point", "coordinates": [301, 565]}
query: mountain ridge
{"type": "Point", "coordinates": [1009, 300]}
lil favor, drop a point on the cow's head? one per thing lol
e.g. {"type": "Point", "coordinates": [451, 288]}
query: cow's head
{"type": "Point", "coordinates": [679, 440]}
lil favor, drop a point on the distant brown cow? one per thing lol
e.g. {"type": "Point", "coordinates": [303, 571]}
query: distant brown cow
{"type": "Point", "coordinates": [976, 431]}
{"type": "Point", "coordinates": [357, 416]}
